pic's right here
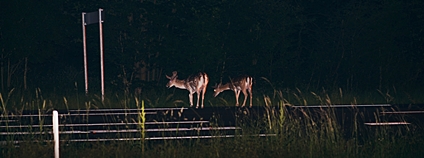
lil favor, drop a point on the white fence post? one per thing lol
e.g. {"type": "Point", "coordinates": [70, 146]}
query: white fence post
{"type": "Point", "coordinates": [56, 133]}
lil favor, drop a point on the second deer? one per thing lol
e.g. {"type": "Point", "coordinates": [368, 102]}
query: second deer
{"type": "Point", "coordinates": [196, 83]}
{"type": "Point", "coordinates": [239, 84]}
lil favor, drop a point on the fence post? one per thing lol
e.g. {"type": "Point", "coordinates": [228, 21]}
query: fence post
{"type": "Point", "coordinates": [56, 133]}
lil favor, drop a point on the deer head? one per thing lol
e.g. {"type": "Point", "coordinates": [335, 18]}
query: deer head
{"type": "Point", "coordinates": [217, 88]}
{"type": "Point", "coordinates": [172, 79]}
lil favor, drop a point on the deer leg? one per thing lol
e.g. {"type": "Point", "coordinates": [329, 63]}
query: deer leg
{"type": "Point", "coordinates": [203, 95]}
{"type": "Point", "coordinates": [237, 96]}
{"type": "Point", "coordinates": [198, 98]}
{"type": "Point", "coordinates": [250, 92]}
{"type": "Point", "coordinates": [190, 96]}
{"type": "Point", "coordinates": [245, 98]}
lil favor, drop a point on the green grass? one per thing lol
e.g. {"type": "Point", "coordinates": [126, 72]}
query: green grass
{"type": "Point", "coordinates": [295, 138]}
{"type": "Point", "coordinates": [36, 99]}
{"type": "Point", "coordinates": [318, 136]}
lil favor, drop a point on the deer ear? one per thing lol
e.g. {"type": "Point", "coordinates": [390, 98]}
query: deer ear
{"type": "Point", "coordinates": [168, 77]}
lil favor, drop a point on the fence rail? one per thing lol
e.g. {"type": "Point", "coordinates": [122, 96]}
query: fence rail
{"type": "Point", "coordinates": [109, 125]}
{"type": "Point", "coordinates": [175, 123]}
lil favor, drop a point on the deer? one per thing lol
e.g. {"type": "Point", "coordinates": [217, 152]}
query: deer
{"type": "Point", "coordinates": [195, 83]}
{"type": "Point", "coordinates": [241, 83]}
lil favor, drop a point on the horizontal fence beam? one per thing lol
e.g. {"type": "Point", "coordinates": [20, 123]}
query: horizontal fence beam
{"type": "Point", "coordinates": [151, 138]}
{"type": "Point", "coordinates": [145, 109]}
{"type": "Point", "coordinates": [80, 114]}
{"type": "Point", "coordinates": [124, 131]}
{"type": "Point", "coordinates": [402, 112]}
{"type": "Point", "coordinates": [341, 106]}
{"type": "Point", "coordinates": [386, 123]}
{"type": "Point", "coordinates": [104, 124]}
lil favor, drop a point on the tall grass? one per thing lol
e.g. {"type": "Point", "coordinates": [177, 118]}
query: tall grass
{"type": "Point", "coordinates": [141, 122]}
{"type": "Point", "coordinates": [307, 136]}
{"type": "Point", "coordinates": [301, 133]}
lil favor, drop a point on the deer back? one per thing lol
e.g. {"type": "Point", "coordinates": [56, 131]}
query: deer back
{"type": "Point", "coordinates": [241, 82]}
{"type": "Point", "coordinates": [197, 81]}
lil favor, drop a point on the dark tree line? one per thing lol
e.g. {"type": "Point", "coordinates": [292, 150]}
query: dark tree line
{"type": "Point", "coordinates": [310, 44]}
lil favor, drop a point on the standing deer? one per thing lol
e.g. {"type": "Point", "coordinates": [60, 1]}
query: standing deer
{"type": "Point", "coordinates": [242, 83]}
{"type": "Point", "coordinates": [196, 83]}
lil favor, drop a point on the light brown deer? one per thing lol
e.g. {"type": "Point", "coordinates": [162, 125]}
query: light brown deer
{"type": "Point", "coordinates": [242, 83]}
{"type": "Point", "coordinates": [196, 83]}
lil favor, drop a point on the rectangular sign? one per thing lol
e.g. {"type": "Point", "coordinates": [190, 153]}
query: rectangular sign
{"type": "Point", "coordinates": [92, 18]}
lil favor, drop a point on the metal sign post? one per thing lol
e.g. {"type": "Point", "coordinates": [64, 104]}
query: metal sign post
{"type": "Point", "coordinates": [87, 19]}
{"type": "Point", "coordinates": [85, 53]}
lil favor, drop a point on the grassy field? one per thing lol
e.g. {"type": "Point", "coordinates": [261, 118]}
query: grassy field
{"type": "Point", "coordinates": [322, 137]}
{"type": "Point", "coordinates": [295, 138]}
{"type": "Point", "coordinates": [16, 100]}
{"type": "Point", "coordinates": [289, 144]}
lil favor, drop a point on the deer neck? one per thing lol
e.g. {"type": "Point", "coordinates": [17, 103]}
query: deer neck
{"type": "Point", "coordinates": [227, 86]}
{"type": "Point", "coordinates": [181, 84]}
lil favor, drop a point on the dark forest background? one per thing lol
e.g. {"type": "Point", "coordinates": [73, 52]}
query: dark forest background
{"type": "Point", "coordinates": [356, 45]}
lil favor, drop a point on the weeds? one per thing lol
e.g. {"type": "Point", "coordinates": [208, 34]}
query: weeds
{"type": "Point", "coordinates": [141, 122]}
{"type": "Point", "coordinates": [300, 132]}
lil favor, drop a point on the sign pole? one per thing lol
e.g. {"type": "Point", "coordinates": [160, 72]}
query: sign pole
{"type": "Point", "coordinates": [87, 19]}
{"type": "Point", "coordinates": [85, 53]}
{"type": "Point", "coordinates": [101, 54]}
